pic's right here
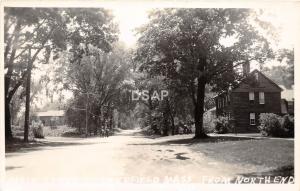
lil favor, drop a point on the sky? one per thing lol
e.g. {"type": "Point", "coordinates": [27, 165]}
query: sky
{"type": "Point", "coordinates": [283, 18]}
{"type": "Point", "coordinates": [130, 17]}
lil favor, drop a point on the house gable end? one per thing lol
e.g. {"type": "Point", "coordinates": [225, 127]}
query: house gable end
{"type": "Point", "coordinates": [263, 84]}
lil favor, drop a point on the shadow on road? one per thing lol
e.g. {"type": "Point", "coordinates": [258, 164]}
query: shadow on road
{"type": "Point", "coordinates": [72, 134]}
{"type": "Point", "coordinates": [180, 157]}
{"type": "Point", "coordinates": [18, 146]}
{"type": "Point", "coordinates": [136, 134]}
{"type": "Point", "coordinates": [190, 141]}
{"type": "Point", "coordinates": [284, 171]}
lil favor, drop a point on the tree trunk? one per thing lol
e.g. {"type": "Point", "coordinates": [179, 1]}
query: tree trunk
{"type": "Point", "coordinates": [102, 120]}
{"type": "Point", "coordinates": [95, 127]}
{"type": "Point", "coordinates": [198, 111]}
{"type": "Point", "coordinates": [27, 110]}
{"type": "Point", "coordinates": [150, 110]}
{"type": "Point", "coordinates": [165, 124]}
{"type": "Point", "coordinates": [174, 129]}
{"type": "Point", "coordinates": [16, 32]}
{"type": "Point", "coordinates": [99, 121]}
{"type": "Point", "coordinates": [27, 104]}
{"type": "Point", "coordinates": [86, 115]}
{"type": "Point", "coordinates": [79, 129]}
{"type": "Point", "coordinates": [8, 132]}
{"type": "Point", "coordinates": [111, 119]}
{"type": "Point", "coordinates": [169, 115]}
{"type": "Point", "coordinates": [119, 120]}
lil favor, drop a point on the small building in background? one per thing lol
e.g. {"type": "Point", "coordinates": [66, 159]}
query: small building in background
{"type": "Point", "coordinates": [51, 117]}
{"type": "Point", "coordinates": [287, 101]}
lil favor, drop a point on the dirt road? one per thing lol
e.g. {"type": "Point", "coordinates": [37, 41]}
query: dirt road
{"type": "Point", "coordinates": [126, 157]}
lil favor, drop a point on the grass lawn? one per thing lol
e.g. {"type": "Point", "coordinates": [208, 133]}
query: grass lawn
{"type": "Point", "coordinates": [267, 152]}
{"type": "Point", "coordinates": [274, 154]}
{"type": "Point", "coordinates": [266, 157]}
{"type": "Point", "coordinates": [271, 153]}
{"type": "Point", "coordinates": [48, 131]}
{"type": "Point", "coordinates": [17, 142]}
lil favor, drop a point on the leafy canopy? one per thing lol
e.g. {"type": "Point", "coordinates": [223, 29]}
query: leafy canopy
{"type": "Point", "coordinates": [185, 44]}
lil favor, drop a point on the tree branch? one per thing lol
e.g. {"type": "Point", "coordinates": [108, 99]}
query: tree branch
{"type": "Point", "coordinates": [13, 91]}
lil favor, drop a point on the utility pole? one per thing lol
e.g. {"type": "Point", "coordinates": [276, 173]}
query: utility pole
{"type": "Point", "coordinates": [28, 82]}
{"type": "Point", "coordinates": [86, 115]}
{"type": "Point", "coordinates": [86, 111]}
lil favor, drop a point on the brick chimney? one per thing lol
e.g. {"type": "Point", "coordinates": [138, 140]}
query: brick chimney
{"type": "Point", "coordinates": [246, 68]}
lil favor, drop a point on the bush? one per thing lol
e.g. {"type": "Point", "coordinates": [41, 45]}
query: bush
{"type": "Point", "coordinates": [60, 131]}
{"type": "Point", "coordinates": [275, 125]}
{"type": "Point", "coordinates": [37, 130]}
{"type": "Point", "coordinates": [270, 124]}
{"type": "Point", "coordinates": [288, 126]}
{"type": "Point", "coordinates": [222, 125]}
{"type": "Point", "coordinates": [148, 131]}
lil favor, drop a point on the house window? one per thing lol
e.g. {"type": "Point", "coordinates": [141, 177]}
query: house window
{"type": "Point", "coordinates": [252, 118]}
{"type": "Point", "coordinates": [251, 96]}
{"type": "Point", "coordinates": [229, 115]}
{"type": "Point", "coordinates": [261, 98]}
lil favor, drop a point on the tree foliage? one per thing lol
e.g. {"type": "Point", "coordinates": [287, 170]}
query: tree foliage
{"type": "Point", "coordinates": [97, 80]}
{"type": "Point", "coordinates": [48, 31]}
{"type": "Point", "coordinates": [284, 73]}
{"type": "Point", "coordinates": [185, 46]}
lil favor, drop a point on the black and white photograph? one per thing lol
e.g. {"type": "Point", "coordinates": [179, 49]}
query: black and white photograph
{"type": "Point", "coordinates": [145, 94]}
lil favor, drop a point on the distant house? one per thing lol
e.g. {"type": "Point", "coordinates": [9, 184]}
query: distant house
{"type": "Point", "coordinates": [255, 94]}
{"type": "Point", "coordinates": [287, 101]}
{"type": "Point", "coordinates": [51, 117]}
{"type": "Point", "coordinates": [291, 107]}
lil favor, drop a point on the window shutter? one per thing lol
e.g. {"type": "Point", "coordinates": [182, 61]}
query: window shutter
{"type": "Point", "coordinates": [251, 96]}
{"type": "Point", "coordinates": [261, 98]}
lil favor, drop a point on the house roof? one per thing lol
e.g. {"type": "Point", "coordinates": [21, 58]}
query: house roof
{"type": "Point", "coordinates": [257, 71]}
{"type": "Point", "coordinates": [267, 78]}
{"type": "Point", "coordinates": [51, 113]}
{"type": "Point", "coordinates": [243, 80]}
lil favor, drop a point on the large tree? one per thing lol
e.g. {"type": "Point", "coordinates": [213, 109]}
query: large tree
{"type": "Point", "coordinates": [197, 47]}
{"type": "Point", "coordinates": [31, 34]}
{"type": "Point", "coordinates": [96, 80]}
